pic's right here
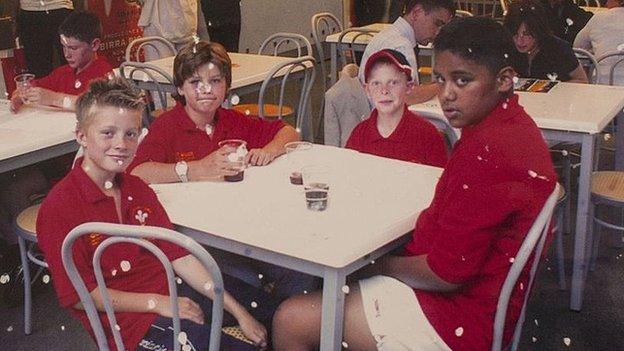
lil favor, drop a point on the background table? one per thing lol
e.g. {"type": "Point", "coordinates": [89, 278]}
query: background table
{"type": "Point", "coordinates": [34, 135]}
{"type": "Point", "coordinates": [373, 203]}
{"type": "Point", "coordinates": [573, 113]}
{"type": "Point", "coordinates": [358, 45]}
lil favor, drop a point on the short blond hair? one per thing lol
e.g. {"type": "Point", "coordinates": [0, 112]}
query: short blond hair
{"type": "Point", "coordinates": [115, 92]}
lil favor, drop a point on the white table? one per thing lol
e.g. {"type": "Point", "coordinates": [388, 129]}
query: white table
{"type": "Point", "coordinates": [34, 134]}
{"type": "Point", "coordinates": [373, 203]}
{"type": "Point", "coordinates": [358, 45]}
{"type": "Point", "coordinates": [573, 113]}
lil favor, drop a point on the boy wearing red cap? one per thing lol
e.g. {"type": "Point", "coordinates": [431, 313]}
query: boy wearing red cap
{"type": "Point", "coordinates": [392, 130]}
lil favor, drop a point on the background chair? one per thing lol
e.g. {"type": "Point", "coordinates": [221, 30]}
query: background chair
{"type": "Point", "coordinates": [119, 233]}
{"type": "Point", "coordinates": [275, 44]}
{"type": "Point", "coordinates": [150, 79]}
{"type": "Point", "coordinates": [610, 61]}
{"type": "Point", "coordinates": [348, 39]}
{"type": "Point", "coordinates": [607, 188]}
{"type": "Point", "coordinates": [451, 135]}
{"type": "Point", "coordinates": [323, 25]}
{"type": "Point", "coordinates": [531, 247]}
{"type": "Point", "coordinates": [160, 48]}
{"type": "Point", "coordinates": [589, 63]}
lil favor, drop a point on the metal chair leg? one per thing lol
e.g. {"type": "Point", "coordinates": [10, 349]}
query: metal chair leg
{"type": "Point", "coordinates": [559, 243]}
{"type": "Point", "coordinates": [27, 291]}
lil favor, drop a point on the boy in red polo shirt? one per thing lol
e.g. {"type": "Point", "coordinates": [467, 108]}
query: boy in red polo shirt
{"type": "Point", "coordinates": [80, 35]}
{"type": "Point", "coordinates": [97, 189]}
{"type": "Point", "coordinates": [392, 130]}
{"type": "Point", "coordinates": [182, 144]}
{"type": "Point", "coordinates": [441, 294]}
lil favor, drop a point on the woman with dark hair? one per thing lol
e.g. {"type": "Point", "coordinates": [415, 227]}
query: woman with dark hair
{"type": "Point", "coordinates": [541, 54]}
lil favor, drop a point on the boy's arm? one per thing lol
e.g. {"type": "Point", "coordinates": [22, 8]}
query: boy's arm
{"type": "Point", "coordinates": [124, 301]}
{"type": "Point", "coordinates": [578, 75]}
{"type": "Point", "coordinates": [275, 148]}
{"type": "Point", "coordinates": [413, 271]}
{"type": "Point", "coordinates": [422, 93]}
{"type": "Point", "coordinates": [47, 97]}
{"type": "Point", "coordinates": [193, 273]}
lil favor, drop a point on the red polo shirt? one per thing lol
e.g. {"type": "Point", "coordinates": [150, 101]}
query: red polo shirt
{"type": "Point", "coordinates": [65, 80]}
{"type": "Point", "coordinates": [414, 140]}
{"type": "Point", "coordinates": [174, 136]}
{"type": "Point", "coordinates": [496, 182]}
{"type": "Point", "coordinates": [76, 200]}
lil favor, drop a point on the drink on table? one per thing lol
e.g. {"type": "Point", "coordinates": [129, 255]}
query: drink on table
{"type": "Point", "coordinates": [316, 183]}
{"type": "Point", "coordinates": [236, 158]}
{"type": "Point", "coordinates": [295, 155]}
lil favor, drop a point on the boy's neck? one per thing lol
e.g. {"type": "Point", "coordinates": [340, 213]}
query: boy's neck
{"type": "Point", "coordinates": [387, 123]}
{"type": "Point", "coordinates": [80, 69]}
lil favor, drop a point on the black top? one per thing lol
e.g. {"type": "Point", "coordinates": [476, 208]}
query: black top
{"type": "Point", "coordinates": [220, 12]}
{"type": "Point", "coordinates": [554, 56]}
{"type": "Point", "coordinates": [566, 19]}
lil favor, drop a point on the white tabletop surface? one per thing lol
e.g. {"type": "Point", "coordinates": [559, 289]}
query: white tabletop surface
{"type": "Point", "coordinates": [364, 39]}
{"type": "Point", "coordinates": [567, 107]}
{"type": "Point", "coordinates": [247, 69]}
{"type": "Point", "coordinates": [373, 201]}
{"type": "Point", "coordinates": [33, 129]}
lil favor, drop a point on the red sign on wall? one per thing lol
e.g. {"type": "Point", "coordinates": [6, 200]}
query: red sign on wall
{"type": "Point", "coordinates": [119, 23]}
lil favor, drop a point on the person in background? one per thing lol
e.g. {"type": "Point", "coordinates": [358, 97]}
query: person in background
{"type": "Point", "coordinates": [565, 18]}
{"type": "Point", "coordinates": [605, 33]}
{"type": "Point", "coordinates": [419, 25]}
{"type": "Point", "coordinates": [441, 293]}
{"type": "Point", "coordinates": [79, 36]}
{"type": "Point", "coordinates": [540, 54]}
{"type": "Point", "coordinates": [37, 24]}
{"type": "Point", "coordinates": [223, 21]}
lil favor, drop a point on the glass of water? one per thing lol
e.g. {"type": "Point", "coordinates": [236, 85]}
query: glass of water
{"type": "Point", "coordinates": [23, 82]}
{"type": "Point", "coordinates": [316, 181]}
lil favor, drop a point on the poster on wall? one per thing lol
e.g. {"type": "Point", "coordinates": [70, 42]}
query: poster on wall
{"type": "Point", "coordinates": [119, 23]}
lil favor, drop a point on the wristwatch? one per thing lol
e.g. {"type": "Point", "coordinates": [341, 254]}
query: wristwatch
{"type": "Point", "coordinates": [181, 168]}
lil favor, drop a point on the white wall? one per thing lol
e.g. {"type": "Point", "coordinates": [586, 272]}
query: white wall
{"type": "Point", "coordinates": [262, 18]}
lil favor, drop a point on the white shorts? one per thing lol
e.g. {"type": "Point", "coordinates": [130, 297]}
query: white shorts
{"type": "Point", "coordinates": [395, 318]}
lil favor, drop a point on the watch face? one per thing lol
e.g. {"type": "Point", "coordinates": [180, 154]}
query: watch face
{"type": "Point", "coordinates": [181, 168]}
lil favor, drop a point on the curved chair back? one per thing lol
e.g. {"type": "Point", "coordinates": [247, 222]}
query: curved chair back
{"type": "Point", "coordinates": [151, 79]}
{"type": "Point", "coordinates": [160, 45]}
{"type": "Point", "coordinates": [281, 74]}
{"type": "Point", "coordinates": [531, 247]}
{"type": "Point", "coordinates": [463, 13]}
{"type": "Point", "coordinates": [589, 62]}
{"type": "Point", "coordinates": [119, 233]}
{"type": "Point", "coordinates": [612, 60]}
{"type": "Point", "coordinates": [324, 24]}
{"type": "Point", "coordinates": [272, 45]}
{"type": "Point", "coordinates": [451, 135]}
{"type": "Point", "coordinates": [351, 36]}
{"type": "Point", "coordinates": [589, 3]}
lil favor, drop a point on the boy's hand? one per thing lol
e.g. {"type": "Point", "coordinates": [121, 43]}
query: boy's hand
{"type": "Point", "coordinates": [16, 101]}
{"type": "Point", "coordinates": [214, 165]}
{"type": "Point", "coordinates": [253, 330]}
{"type": "Point", "coordinates": [187, 309]}
{"type": "Point", "coordinates": [259, 157]}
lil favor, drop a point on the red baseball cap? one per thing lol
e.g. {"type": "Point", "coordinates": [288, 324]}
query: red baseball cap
{"type": "Point", "coordinates": [391, 56]}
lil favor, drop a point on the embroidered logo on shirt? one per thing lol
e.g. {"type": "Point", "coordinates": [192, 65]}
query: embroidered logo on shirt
{"type": "Point", "coordinates": [185, 156]}
{"type": "Point", "coordinates": [141, 214]}
{"type": "Point", "coordinates": [95, 239]}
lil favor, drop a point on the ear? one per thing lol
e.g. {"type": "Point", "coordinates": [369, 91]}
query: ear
{"type": "Point", "coordinates": [180, 91]}
{"type": "Point", "coordinates": [81, 138]}
{"type": "Point", "coordinates": [410, 86]}
{"type": "Point", "coordinates": [367, 89]}
{"type": "Point", "coordinates": [95, 44]}
{"type": "Point", "coordinates": [504, 79]}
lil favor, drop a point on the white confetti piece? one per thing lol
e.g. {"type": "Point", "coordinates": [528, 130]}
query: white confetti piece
{"type": "Point", "coordinates": [534, 339]}
{"type": "Point", "coordinates": [620, 47]}
{"type": "Point", "coordinates": [182, 338]}
{"type": "Point", "coordinates": [459, 331]}
{"type": "Point", "coordinates": [151, 304]}
{"type": "Point", "coordinates": [247, 112]}
{"type": "Point", "coordinates": [234, 100]}
{"type": "Point", "coordinates": [117, 327]}
{"type": "Point", "coordinates": [211, 65]}
{"type": "Point", "coordinates": [187, 347]}
{"type": "Point", "coordinates": [345, 345]}
{"type": "Point", "coordinates": [567, 341]}
{"type": "Point", "coordinates": [45, 279]}
{"type": "Point", "coordinates": [564, 152]}
{"type": "Point", "coordinates": [463, 258]}
{"type": "Point", "coordinates": [487, 148]}
{"type": "Point", "coordinates": [207, 286]}
{"type": "Point", "coordinates": [479, 158]}
{"type": "Point", "coordinates": [5, 278]}
{"type": "Point", "coordinates": [114, 272]}
{"type": "Point", "coordinates": [108, 184]}
{"type": "Point", "coordinates": [179, 280]}
{"type": "Point", "coordinates": [532, 174]}
{"type": "Point", "coordinates": [465, 186]}
{"type": "Point", "coordinates": [62, 327]}
{"type": "Point", "coordinates": [125, 265]}
{"type": "Point", "coordinates": [552, 76]}
{"type": "Point", "coordinates": [305, 292]}
{"type": "Point", "coordinates": [121, 111]}
{"type": "Point", "coordinates": [120, 162]}
{"type": "Point", "coordinates": [569, 21]}
{"type": "Point", "coordinates": [260, 276]}
{"type": "Point", "coordinates": [345, 289]}
{"type": "Point", "coordinates": [511, 260]}
{"type": "Point", "coordinates": [607, 137]}
{"type": "Point", "coordinates": [10, 328]}
{"type": "Point", "coordinates": [254, 304]}
{"type": "Point", "coordinates": [130, 198]}
{"type": "Point", "coordinates": [521, 286]}
{"type": "Point", "coordinates": [536, 323]}
{"type": "Point", "coordinates": [505, 105]}
{"type": "Point", "coordinates": [373, 262]}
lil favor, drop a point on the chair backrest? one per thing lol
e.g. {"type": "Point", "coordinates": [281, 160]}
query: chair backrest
{"type": "Point", "coordinates": [611, 60]}
{"type": "Point", "coordinates": [161, 46]}
{"type": "Point", "coordinates": [281, 74]}
{"type": "Point", "coordinates": [154, 77]}
{"type": "Point", "coordinates": [119, 233]}
{"type": "Point", "coordinates": [463, 14]}
{"type": "Point", "coordinates": [272, 45]}
{"type": "Point", "coordinates": [349, 37]}
{"type": "Point", "coordinates": [324, 24]}
{"type": "Point", "coordinates": [590, 3]}
{"type": "Point", "coordinates": [533, 245]}
{"type": "Point", "coordinates": [588, 61]}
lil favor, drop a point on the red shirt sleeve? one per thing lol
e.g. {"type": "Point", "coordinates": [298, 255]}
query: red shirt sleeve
{"type": "Point", "coordinates": [50, 81]}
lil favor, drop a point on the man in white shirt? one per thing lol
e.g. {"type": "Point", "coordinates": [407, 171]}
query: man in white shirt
{"type": "Point", "coordinates": [419, 25]}
{"type": "Point", "coordinates": [602, 34]}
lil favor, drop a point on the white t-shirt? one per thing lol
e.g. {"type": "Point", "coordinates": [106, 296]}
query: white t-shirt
{"type": "Point", "coordinates": [400, 37]}
{"type": "Point", "coordinates": [174, 20]}
{"type": "Point", "coordinates": [604, 33]}
{"type": "Point", "coordinates": [36, 5]}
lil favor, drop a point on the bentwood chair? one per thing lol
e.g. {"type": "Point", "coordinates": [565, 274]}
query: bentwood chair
{"type": "Point", "coordinates": [159, 45]}
{"type": "Point", "coordinates": [323, 25]}
{"type": "Point", "coordinates": [120, 233]}
{"type": "Point", "coordinates": [589, 63]}
{"type": "Point", "coordinates": [610, 61]}
{"type": "Point", "coordinates": [531, 248]}
{"type": "Point", "coordinates": [350, 38]}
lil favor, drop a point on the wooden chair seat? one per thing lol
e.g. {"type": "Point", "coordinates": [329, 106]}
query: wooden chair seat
{"type": "Point", "coordinates": [608, 184]}
{"type": "Point", "coordinates": [270, 110]}
{"type": "Point", "coordinates": [27, 220]}
{"type": "Point", "coordinates": [237, 333]}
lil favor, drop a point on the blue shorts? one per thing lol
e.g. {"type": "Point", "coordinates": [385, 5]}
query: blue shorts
{"type": "Point", "coordinates": [160, 335]}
